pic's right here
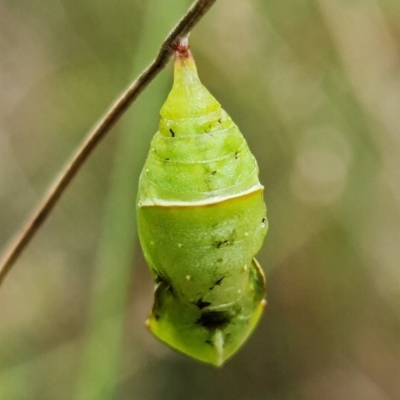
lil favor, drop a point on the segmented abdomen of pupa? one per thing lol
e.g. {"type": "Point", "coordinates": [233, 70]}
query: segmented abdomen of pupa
{"type": "Point", "coordinates": [201, 219]}
{"type": "Point", "coordinates": [198, 152]}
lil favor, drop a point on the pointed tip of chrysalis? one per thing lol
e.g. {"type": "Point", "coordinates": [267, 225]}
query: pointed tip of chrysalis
{"type": "Point", "coordinates": [188, 97]}
{"type": "Point", "coordinates": [181, 49]}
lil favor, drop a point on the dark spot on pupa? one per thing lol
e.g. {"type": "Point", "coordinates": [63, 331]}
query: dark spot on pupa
{"type": "Point", "coordinates": [217, 283]}
{"type": "Point", "coordinates": [172, 132]}
{"type": "Point", "coordinates": [208, 129]}
{"type": "Point", "coordinates": [157, 317]}
{"type": "Point", "coordinates": [220, 260]}
{"type": "Point", "coordinates": [214, 319]}
{"type": "Point", "coordinates": [202, 304]}
{"type": "Point", "coordinates": [263, 222]}
{"type": "Point", "coordinates": [209, 342]}
{"type": "Point", "coordinates": [222, 243]}
{"type": "Point", "coordinates": [219, 120]}
{"type": "Point", "coordinates": [167, 159]}
{"type": "Point", "coordinates": [213, 173]}
{"type": "Point", "coordinates": [237, 154]}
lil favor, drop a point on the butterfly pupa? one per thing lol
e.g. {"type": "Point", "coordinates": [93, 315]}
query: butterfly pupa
{"type": "Point", "coordinates": [201, 219]}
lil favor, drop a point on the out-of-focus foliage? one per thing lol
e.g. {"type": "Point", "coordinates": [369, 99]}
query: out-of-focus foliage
{"type": "Point", "coordinates": [315, 87]}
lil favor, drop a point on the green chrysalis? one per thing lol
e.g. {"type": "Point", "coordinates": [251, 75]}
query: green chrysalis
{"type": "Point", "coordinates": [201, 219]}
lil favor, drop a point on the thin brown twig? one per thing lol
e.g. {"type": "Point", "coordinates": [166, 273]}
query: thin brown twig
{"type": "Point", "coordinates": [184, 26]}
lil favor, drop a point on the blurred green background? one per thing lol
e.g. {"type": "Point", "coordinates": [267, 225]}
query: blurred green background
{"type": "Point", "coordinates": [315, 87]}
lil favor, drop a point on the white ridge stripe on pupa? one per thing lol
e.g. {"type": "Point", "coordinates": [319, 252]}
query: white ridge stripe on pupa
{"type": "Point", "coordinates": [195, 203]}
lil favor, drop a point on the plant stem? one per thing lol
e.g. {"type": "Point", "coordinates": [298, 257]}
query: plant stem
{"type": "Point", "coordinates": [184, 26]}
{"type": "Point", "coordinates": [100, 365]}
